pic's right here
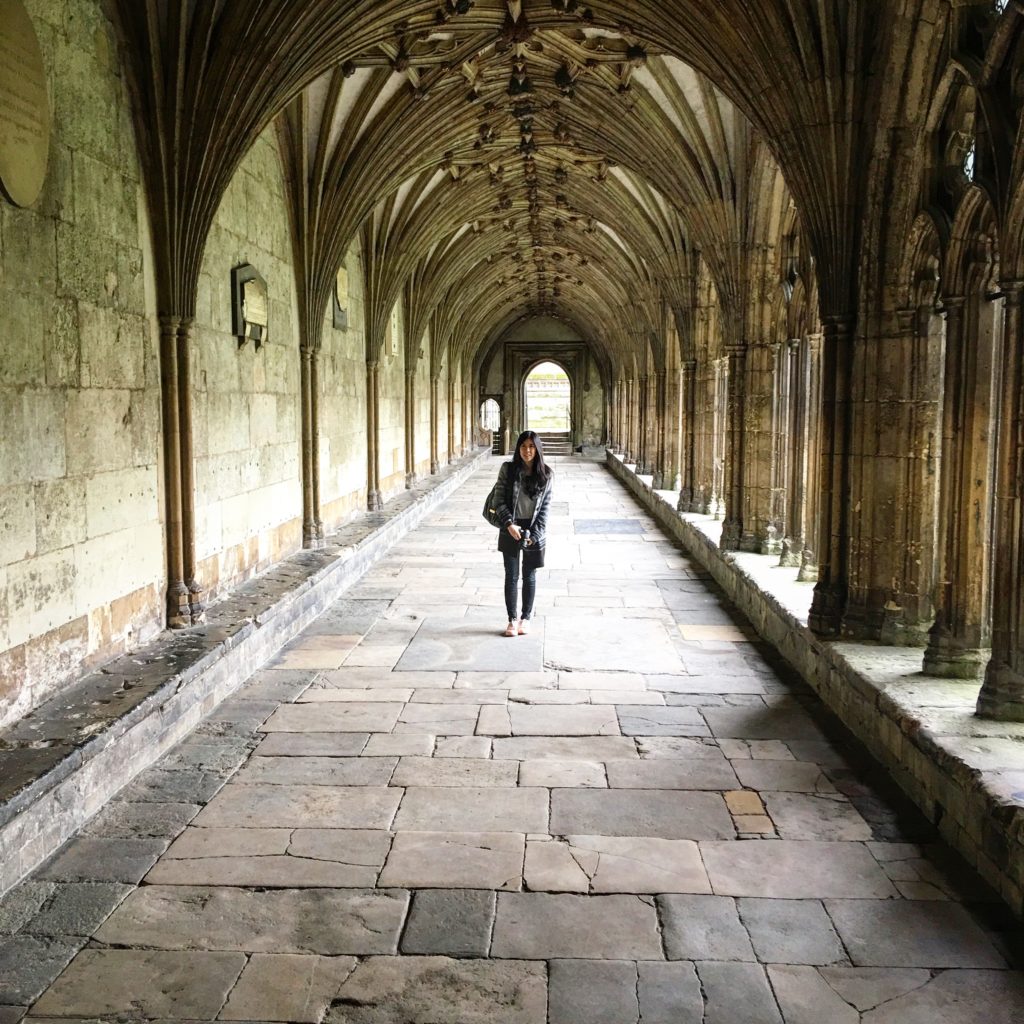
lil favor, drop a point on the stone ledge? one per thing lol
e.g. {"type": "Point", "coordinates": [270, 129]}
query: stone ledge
{"type": "Point", "coordinates": [966, 774]}
{"type": "Point", "coordinates": [64, 760]}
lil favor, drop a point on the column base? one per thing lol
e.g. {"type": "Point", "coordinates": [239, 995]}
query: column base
{"type": "Point", "coordinates": [730, 540]}
{"type": "Point", "coordinates": [791, 552]}
{"type": "Point", "coordinates": [826, 615]}
{"type": "Point", "coordinates": [374, 502]}
{"type": "Point", "coordinates": [658, 483]}
{"type": "Point", "coordinates": [196, 604]}
{"type": "Point", "coordinates": [685, 502]}
{"type": "Point", "coordinates": [1002, 694]}
{"type": "Point", "coordinates": [435, 467]}
{"type": "Point", "coordinates": [949, 659]}
{"type": "Point", "coordinates": [410, 481]}
{"type": "Point", "coordinates": [311, 540]}
{"type": "Point", "coordinates": [808, 567]}
{"type": "Point", "coordinates": [179, 614]}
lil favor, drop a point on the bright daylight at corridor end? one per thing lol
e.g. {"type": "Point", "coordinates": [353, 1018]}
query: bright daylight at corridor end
{"type": "Point", "coordinates": [714, 308]}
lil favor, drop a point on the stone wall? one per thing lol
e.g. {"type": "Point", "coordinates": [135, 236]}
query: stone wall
{"type": "Point", "coordinates": [246, 402]}
{"type": "Point", "coordinates": [343, 407]}
{"type": "Point", "coordinates": [81, 549]}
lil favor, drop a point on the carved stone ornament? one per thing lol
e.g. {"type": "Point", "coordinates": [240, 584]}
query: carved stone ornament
{"type": "Point", "coordinates": [249, 307]}
{"type": "Point", "coordinates": [24, 108]}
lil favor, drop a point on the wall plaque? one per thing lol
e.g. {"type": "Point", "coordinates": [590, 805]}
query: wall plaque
{"type": "Point", "coordinates": [24, 108]}
{"type": "Point", "coordinates": [250, 313]}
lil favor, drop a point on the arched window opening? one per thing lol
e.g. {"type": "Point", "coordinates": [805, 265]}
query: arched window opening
{"type": "Point", "coordinates": [548, 399]}
{"type": "Point", "coordinates": [490, 415]}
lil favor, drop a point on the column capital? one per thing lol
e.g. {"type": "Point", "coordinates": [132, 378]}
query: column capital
{"type": "Point", "coordinates": [372, 365]}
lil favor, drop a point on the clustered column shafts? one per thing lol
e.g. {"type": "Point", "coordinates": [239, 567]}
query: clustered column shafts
{"type": "Point", "coordinates": [688, 443]}
{"type": "Point", "coordinates": [178, 611]}
{"type": "Point", "coordinates": [1002, 692]}
{"type": "Point", "coordinates": [410, 426]}
{"type": "Point", "coordinates": [796, 419]}
{"type": "Point", "coordinates": [959, 638]}
{"type": "Point", "coordinates": [732, 528]}
{"type": "Point", "coordinates": [829, 603]}
{"type": "Point", "coordinates": [435, 426]}
{"type": "Point", "coordinates": [374, 501]}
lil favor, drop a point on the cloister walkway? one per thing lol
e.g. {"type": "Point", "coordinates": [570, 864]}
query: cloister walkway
{"type": "Point", "coordinates": [631, 814]}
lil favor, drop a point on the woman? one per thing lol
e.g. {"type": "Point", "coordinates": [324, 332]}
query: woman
{"type": "Point", "coordinates": [523, 497]}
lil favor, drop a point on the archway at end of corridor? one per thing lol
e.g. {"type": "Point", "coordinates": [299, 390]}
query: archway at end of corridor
{"type": "Point", "coordinates": [547, 399]}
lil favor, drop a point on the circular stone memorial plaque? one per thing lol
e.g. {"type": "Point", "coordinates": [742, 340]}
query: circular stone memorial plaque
{"type": "Point", "coordinates": [24, 110]}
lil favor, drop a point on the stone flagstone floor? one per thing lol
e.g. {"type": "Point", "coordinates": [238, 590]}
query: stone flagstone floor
{"type": "Point", "coordinates": [631, 815]}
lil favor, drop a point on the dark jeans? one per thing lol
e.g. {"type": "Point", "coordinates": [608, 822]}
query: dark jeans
{"type": "Point", "coordinates": [512, 578]}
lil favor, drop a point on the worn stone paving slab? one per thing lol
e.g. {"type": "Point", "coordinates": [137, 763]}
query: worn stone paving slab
{"type": "Point", "coordinates": [448, 860]}
{"type": "Point", "coordinates": [597, 991]}
{"type": "Point", "coordinates": [571, 642]}
{"type": "Point", "coordinates": [465, 809]}
{"type": "Point", "coordinates": [542, 926]}
{"type": "Point", "coordinates": [324, 921]}
{"type": "Point", "coordinates": [664, 773]}
{"type": "Point", "coordinates": [287, 987]}
{"type": "Point", "coordinates": [609, 864]}
{"type": "Point", "coordinates": [450, 922]}
{"type": "Point", "coordinates": [318, 771]}
{"type": "Point", "coordinates": [791, 932]}
{"type": "Point", "coordinates": [565, 748]}
{"type": "Point", "coordinates": [455, 771]}
{"type": "Point", "coordinates": [440, 990]}
{"type": "Point", "coordinates": [155, 983]}
{"type": "Point", "coordinates": [912, 933]}
{"type": "Point", "coordinates": [786, 869]}
{"type": "Point", "coordinates": [284, 806]}
{"type": "Point", "coordinates": [663, 814]}
{"type": "Point", "coordinates": [704, 927]}
{"type": "Point", "coordinates": [370, 716]}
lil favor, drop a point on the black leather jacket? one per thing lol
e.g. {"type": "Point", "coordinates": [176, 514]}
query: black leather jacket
{"type": "Point", "coordinates": [507, 502]}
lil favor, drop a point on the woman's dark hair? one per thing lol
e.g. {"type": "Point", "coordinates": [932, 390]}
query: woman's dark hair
{"type": "Point", "coordinates": [541, 474]}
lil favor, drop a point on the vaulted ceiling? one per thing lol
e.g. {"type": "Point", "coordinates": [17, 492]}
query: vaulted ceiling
{"type": "Point", "coordinates": [511, 157]}
{"type": "Point", "coordinates": [569, 171]}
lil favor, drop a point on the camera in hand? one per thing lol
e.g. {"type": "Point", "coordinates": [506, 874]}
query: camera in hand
{"type": "Point", "coordinates": [524, 540]}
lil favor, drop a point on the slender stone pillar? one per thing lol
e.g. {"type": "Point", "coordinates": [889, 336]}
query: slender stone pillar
{"type": "Point", "coordinates": [374, 501]}
{"type": "Point", "coordinates": [760, 430]}
{"type": "Point", "coordinates": [309, 531]}
{"type": "Point", "coordinates": [735, 453]}
{"type": "Point", "coordinates": [958, 643]}
{"type": "Point", "coordinates": [812, 460]}
{"type": "Point", "coordinates": [688, 439]}
{"type": "Point", "coordinates": [796, 444]}
{"type": "Point", "coordinates": [452, 454]}
{"type": "Point", "coordinates": [830, 595]}
{"type": "Point", "coordinates": [642, 417]}
{"type": "Point", "coordinates": [778, 475]}
{"type": "Point", "coordinates": [629, 451]}
{"type": "Point", "coordinates": [435, 427]}
{"type": "Point", "coordinates": [178, 613]}
{"type": "Point", "coordinates": [314, 406]}
{"type": "Point", "coordinates": [1002, 693]}
{"type": "Point", "coordinates": [410, 426]}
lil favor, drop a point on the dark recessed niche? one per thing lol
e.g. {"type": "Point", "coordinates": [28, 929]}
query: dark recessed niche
{"type": "Point", "coordinates": [249, 305]}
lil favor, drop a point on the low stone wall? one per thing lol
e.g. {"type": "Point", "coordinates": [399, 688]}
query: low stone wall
{"type": "Point", "coordinates": [966, 774]}
{"type": "Point", "coordinates": [61, 763]}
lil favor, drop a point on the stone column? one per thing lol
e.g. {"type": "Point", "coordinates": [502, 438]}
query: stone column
{"type": "Point", "coordinates": [410, 426]}
{"type": "Point", "coordinates": [435, 426]}
{"type": "Point", "coordinates": [778, 480]}
{"type": "Point", "coordinates": [760, 429]}
{"type": "Point", "coordinates": [796, 452]}
{"type": "Point", "coordinates": [642, 417]}
{"type": "Point", "coordinates": [958, 643]}
{"type": "Point", "coordinates": [812, 459]}
{"type": "Point", "coordinates": [452, 454]}
{"type": "Point", "coordinates": [629, 452]}
{"type": "Point", "coordinates": [1002, 693]}
{"type": "Point", "coordinates": [735, 450]}
{"type": "Point", "coordinates": [659, 431]}
{"type": "Point", "coordinates": [309, 532]}
{"type": "Point", "coordinates": [314, 411]}
{"type": "Point", "coordinates": [830, 595]}
{"type": "Point", "coordinates": [374, 501]}
{"type": "Point", "coordinates": [688, 439]}
{"type": "Point", "coordinates": [178, 613]}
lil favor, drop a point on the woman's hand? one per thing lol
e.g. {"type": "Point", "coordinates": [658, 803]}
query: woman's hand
{"type": "Point", "coordinates": [515, 532]}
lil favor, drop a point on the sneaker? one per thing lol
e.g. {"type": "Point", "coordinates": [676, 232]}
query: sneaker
{"type": "Point", "coordinates": [510, 629]}
{"type": "Point", "coordinates": [524, 627]}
